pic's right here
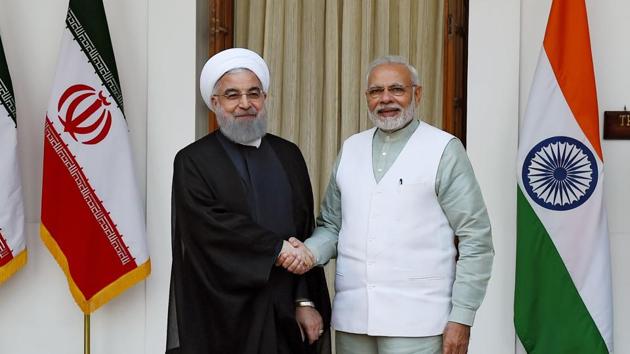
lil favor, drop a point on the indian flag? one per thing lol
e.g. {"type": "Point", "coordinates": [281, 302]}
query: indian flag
{"type": "Point", "coordinates": [563, 302]}
{"type": "Point", "coordinates": [92, 212]}
{"type": "Point", "coordinates": [12, 238]}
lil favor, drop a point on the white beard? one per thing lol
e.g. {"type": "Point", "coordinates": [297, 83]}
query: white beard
{"type": "Point", "coordinates": [392, 124]}
{"type": "Point", "coordinates": [242, 131]}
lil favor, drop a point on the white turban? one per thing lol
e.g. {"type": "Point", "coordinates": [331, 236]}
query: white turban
{"type": "Point", "coordinates": [227, 60]}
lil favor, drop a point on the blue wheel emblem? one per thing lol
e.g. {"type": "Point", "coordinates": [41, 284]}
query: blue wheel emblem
{"type": "Point", "coordinates": [560, 173]}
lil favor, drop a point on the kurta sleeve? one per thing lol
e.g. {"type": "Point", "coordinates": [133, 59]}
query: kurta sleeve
{"type": "Point", "coordinates": [460, 197]}
{"type": "Point", "coordinates": [323, 242]}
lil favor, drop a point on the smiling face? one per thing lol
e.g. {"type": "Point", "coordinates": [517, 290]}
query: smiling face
{"type": "Point", "coordinates": [391, 96]}
{"type": "Point", "coordinates": [242, 119]}
{"type": "Point", "coordinates": [235, 82]}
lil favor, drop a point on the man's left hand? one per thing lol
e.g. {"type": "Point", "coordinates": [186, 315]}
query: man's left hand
{"type": "Point", "coordinates": [310, 322]}
{"type": "Point", "coordinates": [455, 338]}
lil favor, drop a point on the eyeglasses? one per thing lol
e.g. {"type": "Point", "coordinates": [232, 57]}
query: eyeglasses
{"type": "Point", "coordinates": [235, 95]}
{"type": "Point", "coordinates": [394, 90]}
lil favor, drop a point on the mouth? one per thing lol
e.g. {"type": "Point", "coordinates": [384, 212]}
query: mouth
{"type": "Point", "coordinates": [388, 112]}
{"type": "Point", "coordinates": [246, 116]}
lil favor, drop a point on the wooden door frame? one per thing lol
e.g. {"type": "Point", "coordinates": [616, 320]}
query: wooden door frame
{"type": "Point", "coordinates": [221, 36]}
{"type": "Point", "coordinates": [454, 96]}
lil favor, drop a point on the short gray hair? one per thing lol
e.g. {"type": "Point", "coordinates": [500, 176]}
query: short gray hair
{"type": "Point", "coordinates": [394, 59]}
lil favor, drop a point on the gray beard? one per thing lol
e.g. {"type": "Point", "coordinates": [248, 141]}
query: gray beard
{"type": "Point", "coordinates": [242, 131]}
{"type": "Point", "coordinates": [393, 124]}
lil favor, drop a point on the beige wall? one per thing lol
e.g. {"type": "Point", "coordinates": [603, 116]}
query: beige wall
{"type": "Point", "coordinates": [493, 84]}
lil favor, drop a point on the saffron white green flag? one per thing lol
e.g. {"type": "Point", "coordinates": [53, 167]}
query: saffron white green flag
{"type": "Point", "coordinates": [12, 238]}
{"type": "Point", "coordinates": [92, 213]}
{"type": "Point", "coordinates": [563, 302]}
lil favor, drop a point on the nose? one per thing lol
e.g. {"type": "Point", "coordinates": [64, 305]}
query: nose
{"type": "Point", "coordinates": [244, 102]}
{"type": "Point", "coordinates": [386, 97]}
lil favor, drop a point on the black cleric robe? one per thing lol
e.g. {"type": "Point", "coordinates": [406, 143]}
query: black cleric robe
{"type": "Point", "coordinates": [227, 296]}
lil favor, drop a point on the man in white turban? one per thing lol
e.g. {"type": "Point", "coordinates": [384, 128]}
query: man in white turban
{"type": "Point", "coordinates": [238, 195]}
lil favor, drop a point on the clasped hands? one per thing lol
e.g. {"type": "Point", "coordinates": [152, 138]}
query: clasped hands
{"type": "Point", "coordinates": [295, 257]}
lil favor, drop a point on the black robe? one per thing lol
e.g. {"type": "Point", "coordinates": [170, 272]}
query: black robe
{"type": "Point", "coordinates": [227, 297]}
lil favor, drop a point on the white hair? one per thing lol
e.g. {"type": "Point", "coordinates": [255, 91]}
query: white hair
{"type": "Point", "coordinates": [394, 59]}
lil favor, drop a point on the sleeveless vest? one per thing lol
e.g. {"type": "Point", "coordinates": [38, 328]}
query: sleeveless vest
{"type": "Point", "coordinates": [396, 252]}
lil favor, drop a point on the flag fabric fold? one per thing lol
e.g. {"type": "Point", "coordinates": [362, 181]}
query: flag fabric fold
{"type": "Point", "coordinates": [92, 217]}
{"type": "Point", "coordinates": [12, 237]}
{"type": "Point", "coordinates": [563, 300]}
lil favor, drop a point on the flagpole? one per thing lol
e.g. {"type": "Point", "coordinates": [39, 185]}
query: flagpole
{"type": "Point", "coordinates": [86, 333]}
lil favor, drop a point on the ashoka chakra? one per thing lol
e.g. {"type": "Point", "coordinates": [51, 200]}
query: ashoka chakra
{"type": "Point", "coordinates": [560, 173]}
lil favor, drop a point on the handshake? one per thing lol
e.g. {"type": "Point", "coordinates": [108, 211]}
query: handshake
{"type": "Point", "coordinates": [295, 257]}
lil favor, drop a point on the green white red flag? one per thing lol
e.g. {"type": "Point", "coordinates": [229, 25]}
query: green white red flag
{"type": "Point", "coordinates": [563, 301]}
{"type": "Point", "coordinates": [12, 238]}
{"type": "Point", "coordinates": [92, 214]}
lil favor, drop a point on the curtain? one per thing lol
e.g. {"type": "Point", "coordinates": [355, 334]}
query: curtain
{"type": "Point", "coordinates": [318, 52]}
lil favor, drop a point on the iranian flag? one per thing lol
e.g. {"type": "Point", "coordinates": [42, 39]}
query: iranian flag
{"type": "Point", "coordinates": [92, 212]}
{"type": "Point", "coordinates": [12, 238]}
{"type": "Point", "coordinates": [563, 301]}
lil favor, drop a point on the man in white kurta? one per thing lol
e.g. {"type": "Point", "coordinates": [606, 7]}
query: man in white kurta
{"type": "Point", "coordinates": [404, 216]}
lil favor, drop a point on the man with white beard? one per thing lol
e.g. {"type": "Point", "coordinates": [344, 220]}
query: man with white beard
{"type": "Point", "coordinates": [238, 195]}
{"type": "Point", "coordinates": [405, 218]}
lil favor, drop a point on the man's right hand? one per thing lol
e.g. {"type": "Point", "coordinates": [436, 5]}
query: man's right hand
{"type": "Point", "coordinates": [295, 257]}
